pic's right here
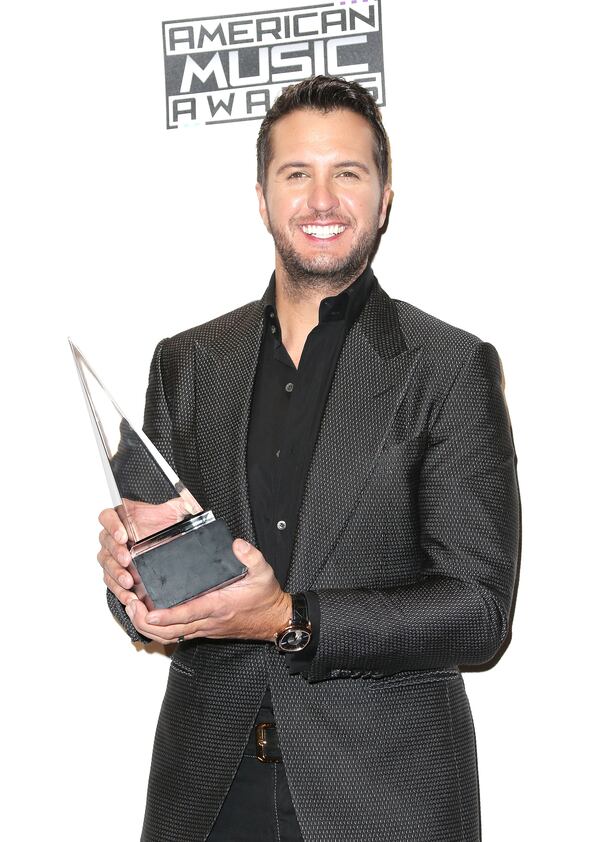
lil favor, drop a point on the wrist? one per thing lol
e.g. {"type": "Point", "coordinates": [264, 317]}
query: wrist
{"type": "Point", "coordinates": [295, 635]}
{"type": "Point", "coordinates": [282, 614]}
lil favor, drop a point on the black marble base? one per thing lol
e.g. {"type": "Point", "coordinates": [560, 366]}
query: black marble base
{"type": "Point", "coordinates": [191, 564]}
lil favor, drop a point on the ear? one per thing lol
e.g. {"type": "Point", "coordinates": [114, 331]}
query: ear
{"type": "Point", "coordinates": [262, 206]}
{"type": "Point", "coordinates": [385, 203]}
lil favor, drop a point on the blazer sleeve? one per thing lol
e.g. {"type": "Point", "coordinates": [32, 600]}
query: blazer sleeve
{"type": "Point", "coordinates": [469, 514]}
{"type": "Point", "coordinates": [158, 428]}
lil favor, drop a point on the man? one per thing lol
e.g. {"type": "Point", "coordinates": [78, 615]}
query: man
{"type": "Point", "coordinates": [362, 452]}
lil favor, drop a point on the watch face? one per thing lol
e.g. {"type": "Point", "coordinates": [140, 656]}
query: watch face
{"type": "Point", "coordinates": [293, 640]}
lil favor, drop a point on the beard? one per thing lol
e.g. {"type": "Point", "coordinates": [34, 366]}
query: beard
{"type": "Point", "coordinates": [322, 272]}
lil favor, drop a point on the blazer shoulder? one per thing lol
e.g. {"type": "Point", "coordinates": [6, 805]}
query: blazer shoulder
{"type": "Point", "coordinates": [445, 350]}
{"type": "Point", "coordinates": [218, 328]}
{"type": "Point", "coordinates": [432, 334]}
{"type": "Point", "coordinates": [212, 334]}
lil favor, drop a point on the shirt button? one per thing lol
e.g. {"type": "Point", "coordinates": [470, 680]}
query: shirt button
{"type": "Point", "coordinates": [281, 524]}
{"type": "Point", "coordinates": [289, 387]}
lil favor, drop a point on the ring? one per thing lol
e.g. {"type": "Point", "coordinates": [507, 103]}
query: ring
{"type": "Point", "coordinates": [181, 638]}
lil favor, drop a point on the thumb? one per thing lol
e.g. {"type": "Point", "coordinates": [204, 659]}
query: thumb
{"type": "Point", "coordinates": [130, 608]}
{"type": "Point", "coordinates": [247, 554]}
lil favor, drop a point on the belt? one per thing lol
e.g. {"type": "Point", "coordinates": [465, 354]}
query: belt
{"type": "Point", "coordinates": [267, 743]}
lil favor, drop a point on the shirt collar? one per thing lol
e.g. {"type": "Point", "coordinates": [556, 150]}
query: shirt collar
{"type": "Point", "coordinates": [346, 305]}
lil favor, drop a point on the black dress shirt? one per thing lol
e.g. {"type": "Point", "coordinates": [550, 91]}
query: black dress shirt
{"type": "Point", "coordinates": [287, 407]}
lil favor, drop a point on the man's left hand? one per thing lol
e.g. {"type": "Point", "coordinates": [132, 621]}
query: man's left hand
{"type": "Point", "coordinates": [253, 608]}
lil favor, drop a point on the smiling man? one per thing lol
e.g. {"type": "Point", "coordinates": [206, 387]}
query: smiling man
{"type": "Point", "coordinates": [325, 199]}
{"type": "Point", "coordinates": [361, 451]}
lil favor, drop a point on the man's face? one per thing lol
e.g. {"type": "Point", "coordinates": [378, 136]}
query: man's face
{"type": "Point", "coordinates": [323, 202]}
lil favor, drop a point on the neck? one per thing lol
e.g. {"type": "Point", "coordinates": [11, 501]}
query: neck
{"type": "Point", "coordinates": [298, 308]}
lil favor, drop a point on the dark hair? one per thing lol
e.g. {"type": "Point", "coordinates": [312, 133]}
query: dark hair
{"type": "Point", "coordinates": [325, 94]}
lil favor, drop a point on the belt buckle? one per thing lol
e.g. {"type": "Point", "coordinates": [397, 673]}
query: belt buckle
{"type": "Point", "coordinates": [261, 732]}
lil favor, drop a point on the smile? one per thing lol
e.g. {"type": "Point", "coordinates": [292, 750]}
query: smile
{"type": "Point", "coordinates": [323, 232]}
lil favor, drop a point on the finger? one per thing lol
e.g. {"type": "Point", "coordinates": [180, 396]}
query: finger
{"type": "Point", "coordinates": [247, 554]}
{"type": "Point", "coordinates": [119, 552]}
{"type": "Point", "coordinates": [173, 634]}
{"type": "Point", "coordinates": [124, 595]}
{"type": "Point", "coordinates": [111, 521]}
{"type": "Point", "coordinates": [186, 613]}
{"type": "Point", "coordinates": [136, 611]}
{"type": "Point", "coordinates": [138, 614]}
{"type": "Point", "coordinates": [114, 570]}
{"type": "Point", "coordinates": [181, 506]}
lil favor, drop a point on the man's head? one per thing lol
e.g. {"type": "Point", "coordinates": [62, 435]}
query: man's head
{"type": "Point", "coordinates": [324, 94]}
{"type": "Point", "coordinates": [323, 181]}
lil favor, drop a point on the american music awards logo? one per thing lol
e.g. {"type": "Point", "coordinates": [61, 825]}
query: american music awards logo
{"type": "Point", "coordinates": [229, 68]}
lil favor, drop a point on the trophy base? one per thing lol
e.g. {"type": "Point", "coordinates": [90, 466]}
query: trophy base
{"type": "Point", "coordinates": [185, 560]}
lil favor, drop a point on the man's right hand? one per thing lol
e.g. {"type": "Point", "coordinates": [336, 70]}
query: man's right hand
{"type": "Point", "coordinates": [114, 557]}
{"type": "Point", "coordinates": [120, 576]}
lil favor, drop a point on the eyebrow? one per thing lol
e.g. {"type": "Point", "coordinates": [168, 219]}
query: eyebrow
{"type": "Point", "coordinates": [340, 165]}
{"type": "Point", "coordinates": [358, 164]}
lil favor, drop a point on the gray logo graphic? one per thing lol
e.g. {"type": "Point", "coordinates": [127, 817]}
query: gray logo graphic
{"type": "Point", "coordinates": [229, 68]}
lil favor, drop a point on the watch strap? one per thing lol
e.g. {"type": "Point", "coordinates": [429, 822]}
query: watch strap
{"type": "Point", "coordinates": [300, 610]}
{"type": "Point", "coordinates": [296, 635]}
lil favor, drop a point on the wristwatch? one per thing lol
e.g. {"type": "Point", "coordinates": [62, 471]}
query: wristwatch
{"type": "Point", "coordinates": [297, 634]}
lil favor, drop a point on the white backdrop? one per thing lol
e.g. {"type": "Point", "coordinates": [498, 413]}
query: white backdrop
{"type": "Point", "coordinates": [119, 232]}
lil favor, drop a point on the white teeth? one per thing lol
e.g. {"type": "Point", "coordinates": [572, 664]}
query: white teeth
{"type": "Point", "coordinates": [323, 232]}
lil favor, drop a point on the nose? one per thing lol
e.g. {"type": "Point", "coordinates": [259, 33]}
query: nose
{"type": "Point", "coordinates": [322, 197]}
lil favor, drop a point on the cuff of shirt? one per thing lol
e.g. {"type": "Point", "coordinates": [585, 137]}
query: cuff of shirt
{"type": "Point", "coordinates": [298, 662]}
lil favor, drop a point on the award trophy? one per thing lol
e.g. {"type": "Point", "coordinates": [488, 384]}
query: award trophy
{"type": "Point", "coordinates": [178, 551]}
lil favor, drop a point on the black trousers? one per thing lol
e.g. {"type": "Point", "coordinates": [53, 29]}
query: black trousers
{"type": "Point", "coordinates": [258, 806]}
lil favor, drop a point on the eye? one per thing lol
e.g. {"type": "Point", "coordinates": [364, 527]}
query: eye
{"type": "Point", "coordinates": [297, 174]}
{"type": "Point", "coordinates": [348, 174]}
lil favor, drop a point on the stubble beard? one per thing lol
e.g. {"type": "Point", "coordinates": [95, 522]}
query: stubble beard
{"type": "Point", "coordinates": [322, 273]}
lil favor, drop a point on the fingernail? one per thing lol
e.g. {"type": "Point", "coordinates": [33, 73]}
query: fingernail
{"type": "Point", "coordinates": [242, 546]}
{"type": "Point", "coordinates": [130, 608]}
{"type": "Point", "coordinates": [121, 535]}
{"type": "Point", "coordinates": [124, 580]}
{"type": "Point", "coordinates": [152, 618]}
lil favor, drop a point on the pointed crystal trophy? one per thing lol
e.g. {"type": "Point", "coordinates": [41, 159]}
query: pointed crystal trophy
{"type": "Point", "coordinates": [178, 551]}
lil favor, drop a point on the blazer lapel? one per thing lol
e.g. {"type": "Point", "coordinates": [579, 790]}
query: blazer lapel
{"type": "Point", "coordinates": [224, 379]}
{"type": "Point", "coordinates": [371, 379]}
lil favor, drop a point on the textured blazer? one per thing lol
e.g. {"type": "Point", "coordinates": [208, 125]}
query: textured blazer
{"type": "Point", "coordinates": [409, 533]}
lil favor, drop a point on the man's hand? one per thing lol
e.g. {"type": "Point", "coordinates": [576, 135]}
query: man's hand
{"type": "Point", "coordinates": [114, 557]}
{"type": "Point", "coordinates": [253, 608]}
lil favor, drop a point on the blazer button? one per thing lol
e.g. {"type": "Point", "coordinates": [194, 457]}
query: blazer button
{"type": "Point", "coordinates": [281, 524]}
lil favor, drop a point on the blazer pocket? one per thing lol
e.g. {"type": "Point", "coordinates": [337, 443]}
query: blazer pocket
{"type": "Point", "coordinates": [182, 659]}
{"type": "Point", "coordinates": [398, 466]}
{"type": "Point", "coordinates": [400, 444]}
{"type": "Point", "coordinates": [410, 679]}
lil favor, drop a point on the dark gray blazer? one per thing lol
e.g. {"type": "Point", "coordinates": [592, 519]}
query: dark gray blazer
{"type": "Point", "coordinates": [409, 532]}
